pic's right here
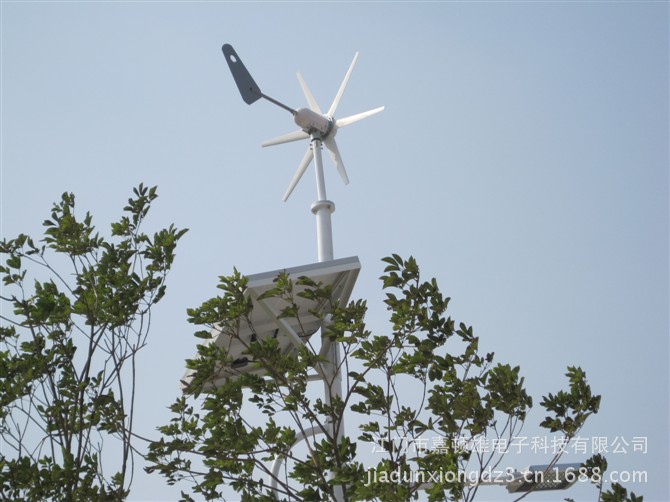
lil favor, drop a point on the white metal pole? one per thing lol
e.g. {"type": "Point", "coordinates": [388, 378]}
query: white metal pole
{"type": "Point", "coordinates": [322, 209]}
{"type": "Point", "coordinates": [332, 377]}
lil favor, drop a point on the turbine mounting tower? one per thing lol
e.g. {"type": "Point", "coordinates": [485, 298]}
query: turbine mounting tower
{"type": "Point", "coordinates": [321, 129]}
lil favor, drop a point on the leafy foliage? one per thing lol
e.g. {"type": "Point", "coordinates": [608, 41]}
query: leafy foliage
{"type": "Point", "coordinates": [457, 393]}
{"type": "Point", "coordinates": [596, 466]}
{"type": "Point", "coordinates": [571, 409]}
{"type": "Point", "coordinates": [76, 310]}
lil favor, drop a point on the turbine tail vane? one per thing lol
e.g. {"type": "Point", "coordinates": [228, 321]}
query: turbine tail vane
{"type": "Point", "coordinates": [245, 83]}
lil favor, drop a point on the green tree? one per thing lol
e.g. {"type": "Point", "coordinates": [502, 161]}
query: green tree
{"type": "Point", "coordinates": [76, 310]}
{"type": "Point", "coordinates": [215, 440]}
{"type": "Point", "coordinates": [596, 466]}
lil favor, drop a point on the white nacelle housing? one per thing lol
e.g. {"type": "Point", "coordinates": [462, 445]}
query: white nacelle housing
{"type": "Point", "coordinates": [310, 121]}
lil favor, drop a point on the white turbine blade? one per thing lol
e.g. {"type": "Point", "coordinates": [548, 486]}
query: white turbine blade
{"type": "Point", "coordinates": [308, 94]}
{"type": "Point", "coordinates": [287, 138]}
{"type": "Point", "coordinates": [338, 96]}
{"type": "Point", "coordinates": [337, 158]}
{"type": "Point", "coordinates": [359, 116]}
{"type": "Point", "coordinates": [298, 174]}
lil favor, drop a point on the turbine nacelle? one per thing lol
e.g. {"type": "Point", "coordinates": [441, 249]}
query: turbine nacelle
{"type": "Point", "coordinates": [312, 122]}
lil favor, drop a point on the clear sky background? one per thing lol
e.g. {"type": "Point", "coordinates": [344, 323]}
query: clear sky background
{"type": "Point", "coordinates": [522, 159]}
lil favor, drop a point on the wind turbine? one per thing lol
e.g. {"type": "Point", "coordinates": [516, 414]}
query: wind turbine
{"type": "Point", "coordinates": [320, 127]}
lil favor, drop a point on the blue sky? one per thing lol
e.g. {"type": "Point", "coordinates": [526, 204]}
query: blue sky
{"type": "Point", "coordinates": [522, 159]}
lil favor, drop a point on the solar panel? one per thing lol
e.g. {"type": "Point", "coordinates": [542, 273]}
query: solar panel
{"type": "Point", "coordinates": [266, 321]}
